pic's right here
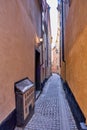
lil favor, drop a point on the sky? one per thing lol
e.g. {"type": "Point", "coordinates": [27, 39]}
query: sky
{"type": "Point", "coordinates": [53, 15]}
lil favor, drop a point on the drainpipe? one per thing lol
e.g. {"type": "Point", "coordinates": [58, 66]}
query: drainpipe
{"type": "Point", "coordinates": [63, 58]}
{"type": "Point", "coordinates": [62, 32]}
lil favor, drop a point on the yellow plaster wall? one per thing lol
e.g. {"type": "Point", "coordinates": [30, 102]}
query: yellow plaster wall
{"type": "Point", "coordinates": [76, 52]}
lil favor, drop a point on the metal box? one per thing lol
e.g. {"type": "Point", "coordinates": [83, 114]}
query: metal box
{"type": "Point", "coordinates": [24, 101]}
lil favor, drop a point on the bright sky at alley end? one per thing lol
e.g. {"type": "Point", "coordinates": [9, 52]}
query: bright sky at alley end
{"type": "Point", "coordinates": [53, 15]}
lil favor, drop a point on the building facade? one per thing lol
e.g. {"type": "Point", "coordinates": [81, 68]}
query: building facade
{"type": "Point", "coordinates": [74, 51]}
{"type": "Point", "coordinates": [43, 47]}
{"type": "Point", "coordinates": [55, 62]}
{"type": "Point", "coordinates": [56, 49]}
{"type": "Point", "coordinates": [46, 46]}
{"type": "Point", "coordinates": [20, 52]}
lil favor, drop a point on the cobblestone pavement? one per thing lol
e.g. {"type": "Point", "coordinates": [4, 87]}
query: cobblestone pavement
{"type": "Point", "coordinates": [52, 111]}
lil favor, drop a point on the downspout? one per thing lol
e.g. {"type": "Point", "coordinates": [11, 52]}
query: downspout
{"type": "Point", "coordinates": [63, 58]}
{"type": "Point", "coordinates": [62, 32]}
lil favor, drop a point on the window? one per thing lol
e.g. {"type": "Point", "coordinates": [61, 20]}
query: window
{"type": "Point", "coordinates": [56, 50]}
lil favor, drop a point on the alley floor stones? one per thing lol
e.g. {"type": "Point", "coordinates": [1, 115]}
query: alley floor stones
{"type": "Point", "coordinates": [52, 111]}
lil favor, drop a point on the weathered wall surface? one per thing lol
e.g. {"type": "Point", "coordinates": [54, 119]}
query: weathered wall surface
{"type": "Point", "coordinates": [16, 50]}
{"type": "Point", "coordinates": [76, 52]}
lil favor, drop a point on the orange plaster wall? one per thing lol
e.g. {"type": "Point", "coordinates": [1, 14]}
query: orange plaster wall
{"type": "Point", "coordinates": [16, 51]}
{"type": "Point", "coordinates": [76, 52]}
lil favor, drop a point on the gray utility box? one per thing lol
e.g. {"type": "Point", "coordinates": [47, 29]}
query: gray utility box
{"type": "Point", "coordinates": [24, 101]}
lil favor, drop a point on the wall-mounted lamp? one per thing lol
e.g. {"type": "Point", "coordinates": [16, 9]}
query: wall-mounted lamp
{"type": "Point", "coordinates": [38, 40]}
{"type": "Point", "coordinates": [41, 39]}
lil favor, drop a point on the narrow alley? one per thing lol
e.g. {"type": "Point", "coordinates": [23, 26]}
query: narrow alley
{"type": "Point", "coordinates": [43, 65]}
{"type": "Point", "coordinates": [52, 111]}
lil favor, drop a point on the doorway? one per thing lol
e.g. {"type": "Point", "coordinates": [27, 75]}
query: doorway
{"type": "Point", "coordinates": [37, 70]}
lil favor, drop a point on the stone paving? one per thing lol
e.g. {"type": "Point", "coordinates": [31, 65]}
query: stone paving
{"type": "Point", "coordinates": [52, 111]}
